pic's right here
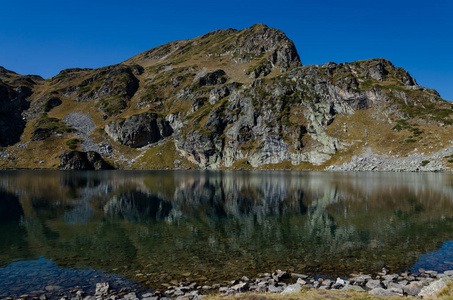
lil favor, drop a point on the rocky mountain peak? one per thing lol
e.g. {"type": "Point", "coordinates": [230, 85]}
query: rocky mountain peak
{"type": "Point", "coordinates": [226, 99]}
{"type": "Point", "coordinates": [260, 39]}
{"type": "Point", "coordinates": [257, 44]}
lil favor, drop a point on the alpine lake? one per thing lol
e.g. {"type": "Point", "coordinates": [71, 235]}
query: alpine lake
{"type": "Point", "coordinates": [61, 230]}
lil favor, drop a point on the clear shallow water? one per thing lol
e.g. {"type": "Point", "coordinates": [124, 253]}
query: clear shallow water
{"type": "Point", "coordinates": [42, 276]}
{"type": "Point", "coordinates": [159, 227]}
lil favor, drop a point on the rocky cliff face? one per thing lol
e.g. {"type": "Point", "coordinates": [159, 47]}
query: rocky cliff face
{"type": "Point", "coordinates": [139, 130]}
{"type": "Point", "coordinates": [227, 99]}
{"type": "Point", "coordinates": [14, 91]}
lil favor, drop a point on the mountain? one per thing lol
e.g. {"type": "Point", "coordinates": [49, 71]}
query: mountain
{"type": "Point", "coordinates": [227, 99]}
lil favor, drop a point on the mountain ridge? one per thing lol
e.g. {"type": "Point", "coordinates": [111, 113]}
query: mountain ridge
{"type": "Point", "coordinates": [226, 99]}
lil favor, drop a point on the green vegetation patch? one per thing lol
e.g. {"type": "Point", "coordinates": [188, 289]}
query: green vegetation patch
{"type": "Point", "coordinates": [46, 127]}
{"type": "Point", "coordinates": [404, 125]}
{"type": "Point", "coordinates": [151, 93]}
{"type": "Point", "coordinates": [424, 163]}
{"type": "Point", "coordinates": [72, 143]}
{"type": "Point", "coordinates": [367, 85]}
{"type": "Point", "coordinates": [51, 103]}
{"type": "Point", "coordinates": [112, 106]}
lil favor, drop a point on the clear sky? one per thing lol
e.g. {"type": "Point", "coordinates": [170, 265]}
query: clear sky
{"type": "Point", "coordinates": [45, 36]}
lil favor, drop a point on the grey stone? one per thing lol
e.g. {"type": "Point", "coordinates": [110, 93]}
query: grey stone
{"type": "Point", "coordinates": [426, 281]}
{"type": "Point", "coordinates": [385, 283]}
{"type": "Point", "coordinates": [130, 296]}
{"type": "Point", "coordinates": [380, 292]}
{"type": "Point", "coordinates": [373, 284]}
{"type": "Point", "coordinates": [280, 275]}
{"type": "Point", "coordinates": [297, 275]}
{"type": "Point", "coordinates": [83, 123]}
{"type": "Point", "coordinates": [261, 289]}
{"type": "Point", "coordinates": [275, 289]}
{"type": "Point", "coordinates": [355, 288]}
{"type": "Point", "coordinates": [219, 93]}
{"type": "Point", "coordinates": [301, 281]}
{"type": "Point", "coordinates": [377, 72]}
{"type": "Point", "coordinates": [192, 286]}
{"type": "Point", "coordinates": [102, 289]}
{"type": "Point", "coordinates": [80, 293]}
{"type": "Point", "coordinates": [434, 288]}
{"type": "Point", "coordinates": [293, 288]}
{"type": "Point", "coordinates": [178, 292]}
{"type": "Point", "coordinates": [412, 289]}
{"type": "Point", "coordinates": [360, 280]}
{"type": "Point", "coordinates": [327, 283]}
{"type": "Point", "coordinates": [339, 284]}
{"type": "Point", "coordinates": [194, 293]}
{"type": "Point", "coordinates": [241, 287]}
{"type": "Point", "coordinates": [396, 288]}
{"type": "Point", "coordinates": [403, 282]}
{"type": "Point", "coordinates": [390, 277]}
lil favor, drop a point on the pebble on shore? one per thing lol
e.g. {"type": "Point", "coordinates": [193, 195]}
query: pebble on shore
{"type": "Point", "coordinates": [421, 285]}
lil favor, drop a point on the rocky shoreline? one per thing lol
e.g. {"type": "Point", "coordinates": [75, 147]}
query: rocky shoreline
{"type": "Point", "coordinates": [424, 284]}
{"type": "Point", "coordinates": [415, 162]}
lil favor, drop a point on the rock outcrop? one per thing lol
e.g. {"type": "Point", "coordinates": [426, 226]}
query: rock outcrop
{"type": "Point", "coordinates": [15, 90]}
{"type": "Point", "coordinates": [139, 130]}
{"type": "Point", "coordinates": [76, 160]}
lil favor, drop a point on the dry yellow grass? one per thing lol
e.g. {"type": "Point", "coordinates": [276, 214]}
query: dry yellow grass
{"type": "Point", "coordinates": [314, 294]}
{"type": "Point", "coordinates": [305, 295]}
{"type": "Point", "coordinates": [162, 156]}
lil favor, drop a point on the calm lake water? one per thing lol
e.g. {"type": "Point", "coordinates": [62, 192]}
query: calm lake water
{"type": "Point", "coordinates": [71, 229]}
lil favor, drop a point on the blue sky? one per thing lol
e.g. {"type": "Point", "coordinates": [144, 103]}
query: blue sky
{"type": "Point", "coordinates": [43, 37]}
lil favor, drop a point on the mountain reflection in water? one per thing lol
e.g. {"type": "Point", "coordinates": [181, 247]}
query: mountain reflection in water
{"type": "Point", "coordinates": [210, 226]}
